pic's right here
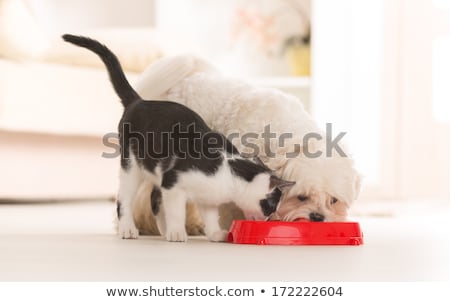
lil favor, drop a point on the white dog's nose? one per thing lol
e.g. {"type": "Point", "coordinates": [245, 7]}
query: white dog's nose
{"type": "Point", "coordinates": [316, 216]}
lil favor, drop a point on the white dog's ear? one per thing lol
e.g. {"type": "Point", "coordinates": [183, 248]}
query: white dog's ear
{"type": "Point", "coordinates": [281, 184]}
{"type": "Point", "coordinates": [358, 180]}
{"type": "Point", "coordinates": [352, 194]}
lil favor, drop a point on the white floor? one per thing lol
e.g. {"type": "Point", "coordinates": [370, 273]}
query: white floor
{"type": "Point", "coordinates": [76, 242]}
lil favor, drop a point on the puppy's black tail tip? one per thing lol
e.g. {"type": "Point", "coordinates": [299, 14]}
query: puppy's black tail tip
{"type": "Point", "coordinates": [77, 40]}
{"type": "Point", "coordinates": [67, 37]}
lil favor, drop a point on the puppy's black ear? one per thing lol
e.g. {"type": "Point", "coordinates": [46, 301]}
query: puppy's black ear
{"type": "Point", "coordinates": [270, 204]}
{"type": "Point", "coordinates": [259, 161]}
{"type": "Point", "coordinates": [276, 182]}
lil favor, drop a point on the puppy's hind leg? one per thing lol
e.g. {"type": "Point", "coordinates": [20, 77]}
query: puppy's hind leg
{"type": "Point", "coordinates": [130, 179]}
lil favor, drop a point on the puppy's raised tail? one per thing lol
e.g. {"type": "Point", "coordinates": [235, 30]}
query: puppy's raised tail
{"type": "Point", "coordinates": [120, 83]}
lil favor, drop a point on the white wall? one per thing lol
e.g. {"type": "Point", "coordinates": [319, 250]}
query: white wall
{"type": "Point", "coordinates": [346, 68]}
{"type": "Point", "coordinates": [56, 16]}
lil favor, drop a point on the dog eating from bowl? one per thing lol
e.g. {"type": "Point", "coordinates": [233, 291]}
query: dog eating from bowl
{"type": "Point", "coordinates": [325, 185]}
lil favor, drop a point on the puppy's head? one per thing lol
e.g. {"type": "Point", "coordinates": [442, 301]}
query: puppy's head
{"type": "Point", "coordinates": [260, 191]}
{"type": "Point", "coordinates": [325, 189]}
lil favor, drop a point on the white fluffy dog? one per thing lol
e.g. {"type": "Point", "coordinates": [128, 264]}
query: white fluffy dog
{"type": "Point", "coordinates": [326, 185]}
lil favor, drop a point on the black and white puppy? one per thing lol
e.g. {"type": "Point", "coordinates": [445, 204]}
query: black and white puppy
{"type": "Point", "coordinates": [170, 147]}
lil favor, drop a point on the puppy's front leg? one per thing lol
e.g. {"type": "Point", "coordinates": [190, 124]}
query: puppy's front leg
{"type": "Point", "coordinates": [213, 231]}
{"type": "Point", "coordinates": [130, 180]}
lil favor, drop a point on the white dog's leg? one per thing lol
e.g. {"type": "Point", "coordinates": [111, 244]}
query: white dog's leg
{"type": "Point", "coordinates": [157, 208]}
{"type": "Point", "coordinates": [210, 216]}
{"type": "Point", "coordinates": [130, 180]}
{"type": "Point", "coordinates": [173, 208]}
{"type": "Point", "coordinates": [161, 221]}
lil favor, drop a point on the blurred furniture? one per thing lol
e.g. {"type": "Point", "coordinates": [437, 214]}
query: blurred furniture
{"type": "Point", "coordinates": [55, 100]}
{"type": "Point", "coordinates": [52, 118]}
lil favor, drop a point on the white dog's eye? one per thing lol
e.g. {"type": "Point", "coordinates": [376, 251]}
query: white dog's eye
{"type": "Point", "coordinates": [333, 200]}
{"type": "Point", "coordinates": [302, 197]}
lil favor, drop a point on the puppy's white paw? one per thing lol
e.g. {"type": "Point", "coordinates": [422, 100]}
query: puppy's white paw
{"type": "Point", "coordinates": [176, 235]}
{"type": "Point", "coordinates": [127, 230]}
{"type": "Point", "coordinates": [218, 236]}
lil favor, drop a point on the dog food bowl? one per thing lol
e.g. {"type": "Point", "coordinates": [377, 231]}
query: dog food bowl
{"type": "Point", "coordinates": [295, 233]}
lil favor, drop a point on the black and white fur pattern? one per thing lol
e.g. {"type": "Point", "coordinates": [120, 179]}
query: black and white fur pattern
{"type": "Point", "coordinates": [210, 178]}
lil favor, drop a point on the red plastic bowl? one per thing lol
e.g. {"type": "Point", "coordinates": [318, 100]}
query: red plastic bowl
{"type": "Point", "coordinates": [295, 233]}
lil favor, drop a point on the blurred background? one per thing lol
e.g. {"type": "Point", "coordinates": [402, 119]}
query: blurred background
{"type": "Point", "coordinates": [377, 69]}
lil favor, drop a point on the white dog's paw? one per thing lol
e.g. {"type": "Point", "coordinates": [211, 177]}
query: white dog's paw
{"type": "Point", "coordinates": [218, 236]}
{"type": "Point", "coordinates": [127, 230]}
{"type": "Point", "coordinates": [176, 235]}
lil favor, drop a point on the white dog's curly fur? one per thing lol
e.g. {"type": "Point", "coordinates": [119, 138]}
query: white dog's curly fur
{"type": "Point", "coordinates": [326, 186]}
